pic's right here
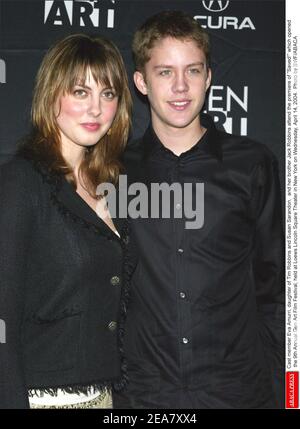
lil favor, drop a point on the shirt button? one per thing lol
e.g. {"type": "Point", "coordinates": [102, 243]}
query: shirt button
{"type": "Point", "coordinates": [185, 340]}
{"type": "Point", "coordinates": [180, 250]}
{"type": "Point", "coordinates": [112, 326]}
{"type": "Point", "coordinates": [178, 206]}
{"type": "Point", "coordinates": [126, 239]}
{"type": "Point", "coordinates": [182, 295]}
{"type": "Point", "coordinates": [115, 280]}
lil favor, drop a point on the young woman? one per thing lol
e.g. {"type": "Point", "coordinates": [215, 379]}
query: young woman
{"type": "Point", "coordinates": [64, 275]}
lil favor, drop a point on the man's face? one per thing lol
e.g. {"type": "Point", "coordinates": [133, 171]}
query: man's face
{"type": "Point", "coordinates": [175, 80]}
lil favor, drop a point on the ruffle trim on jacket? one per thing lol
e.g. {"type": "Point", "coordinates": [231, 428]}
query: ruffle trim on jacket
{"type": "Point", "coordinates": [103, 387]}
{"type": "Point", "coordinates": [124, 301]}
{"type": "Point", "coordinates": [55, 181]}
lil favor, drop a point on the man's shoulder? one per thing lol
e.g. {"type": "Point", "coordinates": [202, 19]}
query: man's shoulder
{"type": "Point", "coordinates": [134, 148]}
{"type": "Point", "coordinates": [245, 148]}
{"type": "Point", "coordinates": [132, 158]}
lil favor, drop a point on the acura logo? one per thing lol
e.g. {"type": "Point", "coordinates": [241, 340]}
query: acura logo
{"type": "Point", "coordinates": [215, 5]}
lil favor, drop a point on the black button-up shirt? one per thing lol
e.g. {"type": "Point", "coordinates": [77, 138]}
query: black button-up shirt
{"type": "Point", "coordinates": [205, 325]}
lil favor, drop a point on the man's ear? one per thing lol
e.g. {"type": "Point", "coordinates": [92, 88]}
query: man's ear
{"type": "Point", "coordinates": [208, 79]}
{"type": "Point", "coordinates": [140, 83]}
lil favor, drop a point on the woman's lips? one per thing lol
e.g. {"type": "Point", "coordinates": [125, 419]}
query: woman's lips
{"type": "Point", "coordinates": [179, 105]}
{"type": "Point", "coordinates": [91, 126]}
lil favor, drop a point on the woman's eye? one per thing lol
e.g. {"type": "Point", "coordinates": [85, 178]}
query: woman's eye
{"type": "Point", "coordinates": [79, 93]}
{"type": "Point", "coordinates": [109, 94]}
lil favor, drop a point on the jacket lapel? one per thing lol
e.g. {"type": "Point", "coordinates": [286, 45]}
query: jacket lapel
{"type": "Point", "coordinates": [69, 198]}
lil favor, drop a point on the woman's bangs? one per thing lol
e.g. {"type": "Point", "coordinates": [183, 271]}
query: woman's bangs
{"type": "Point", "coordinates": [105, 74]}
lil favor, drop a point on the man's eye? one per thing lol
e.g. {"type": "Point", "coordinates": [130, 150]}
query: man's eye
{"type": "Point", "coordinates": [194, 70]}
{"type": "Point", "coordinates": [165, 73]}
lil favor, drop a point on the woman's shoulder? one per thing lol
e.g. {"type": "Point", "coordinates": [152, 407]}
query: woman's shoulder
{"type": "Point", "coordinates": [19, 177]}
{"type": "Point", "coordinates": [18, 169]}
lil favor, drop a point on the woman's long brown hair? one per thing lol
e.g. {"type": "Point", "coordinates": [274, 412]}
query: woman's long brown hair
{"type": "Point", "coordinates": [64, 65]}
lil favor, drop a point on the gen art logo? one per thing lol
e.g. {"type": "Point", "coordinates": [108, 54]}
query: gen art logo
{"type": "Point", "coordinates": [229, 108]}
{"type": "Point", "coordinates": [215, 5]}
{"type": "Point", "coordinates": [81, 13]}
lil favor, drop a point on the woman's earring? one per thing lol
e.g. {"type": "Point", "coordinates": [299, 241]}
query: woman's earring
{"type": "Point", "coordinates": [109, 132]}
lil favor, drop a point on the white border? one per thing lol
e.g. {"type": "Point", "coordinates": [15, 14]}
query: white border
{"type": "Point", "coordinates": [292, 186]}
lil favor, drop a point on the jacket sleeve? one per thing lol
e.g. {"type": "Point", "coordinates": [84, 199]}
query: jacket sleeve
{"type": "Point", "coordinates": [16, 219]}
{"type": "Point", "coordinates": [268, 269]}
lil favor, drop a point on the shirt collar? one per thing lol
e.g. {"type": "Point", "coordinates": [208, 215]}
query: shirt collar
{"type": "Point", "coordinates": [209, 142]}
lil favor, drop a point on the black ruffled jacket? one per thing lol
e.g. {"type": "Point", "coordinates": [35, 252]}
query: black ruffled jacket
{"type": "Point", "coordinates": [63, 288]}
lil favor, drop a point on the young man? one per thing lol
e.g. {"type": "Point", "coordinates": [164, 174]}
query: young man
{"type": "Point", "coordinates": [205, 326]}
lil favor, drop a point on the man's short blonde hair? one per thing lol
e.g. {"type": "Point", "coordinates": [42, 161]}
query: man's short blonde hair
{"type": "Point", "coordinates": [175, 24]}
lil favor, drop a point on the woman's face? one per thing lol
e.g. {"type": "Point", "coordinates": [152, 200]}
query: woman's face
{"type": "Point", "coordinates": [85, 114]}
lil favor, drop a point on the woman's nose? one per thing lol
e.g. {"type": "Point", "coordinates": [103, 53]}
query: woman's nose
{"type": "Point", "coordinates": [95, 105]}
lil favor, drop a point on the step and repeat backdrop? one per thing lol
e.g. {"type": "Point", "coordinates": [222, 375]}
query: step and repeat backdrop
{"type": "Point", "coordinates": [247, 96]}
